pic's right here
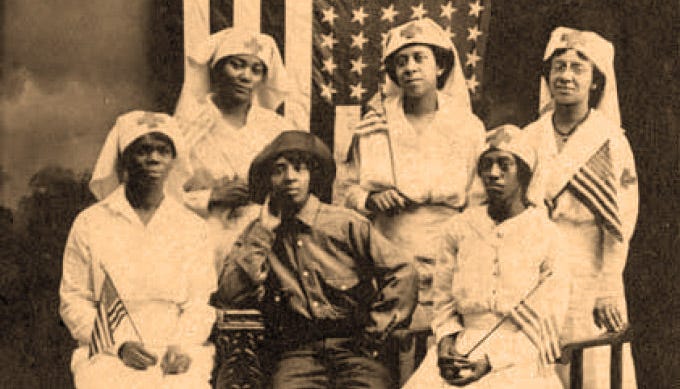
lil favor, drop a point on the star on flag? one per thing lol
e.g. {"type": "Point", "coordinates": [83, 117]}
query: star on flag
{"type": "Point", "coordinates": [389, 13]}
{"type": "Point", "coordinates": [328, 40]}
{"type": "Point", "coordinates": [358, 65]}
{"type": "Point", "coordinates": [472, 83]}
{"type": "Point", "coordinates": [329, 65]}
{"type": "Point", "coordinates": [329, 16]}
{"type": "Point", "coordinates": [359, 40]}
{"type": "Point", "coordinates": [359, 15]}
{"type": "Point", "coordinates": [357, 91]}
{"type": "Point", "coordinates": [473, 33]}
{"type": "Point", "coordinates": [475, 9]}
{"type": "Point", "coordinates": [472, 58]}
{"type": "Point", "coordinates": [327, 91]}
{"type": "Point", "coordinates": [447, 10]}
{"type": "Point", "coordinates": [419, 12]}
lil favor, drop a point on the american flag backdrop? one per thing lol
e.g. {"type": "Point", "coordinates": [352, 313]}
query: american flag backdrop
{"type": "Point", "coordinates": [332, 49]}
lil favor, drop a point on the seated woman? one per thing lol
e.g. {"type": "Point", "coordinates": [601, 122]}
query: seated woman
{"type": "Point", "coordinates": [137, 272]}
{"type": "Point", "coordinates": [489, 261]}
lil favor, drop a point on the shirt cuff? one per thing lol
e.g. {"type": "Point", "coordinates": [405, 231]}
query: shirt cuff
{"type": "Point", "coordinates": [446, 329]}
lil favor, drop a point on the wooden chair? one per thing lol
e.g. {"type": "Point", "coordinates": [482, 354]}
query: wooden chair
{"type": "Point", "coordinates": [571, 352]}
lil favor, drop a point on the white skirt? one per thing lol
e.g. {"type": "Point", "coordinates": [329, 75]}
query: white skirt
{"type": "Point", "coordinates": [517, 359]}
{"type": "Point", "coordinates": [107, 371]}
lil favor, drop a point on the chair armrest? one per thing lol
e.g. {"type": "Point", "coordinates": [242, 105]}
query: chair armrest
{"type": "Point", "coordinates": [608, 338]}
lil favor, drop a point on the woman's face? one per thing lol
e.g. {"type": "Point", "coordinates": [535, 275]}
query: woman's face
{"type": "Point", "coordinates": [148, 159]}
{"type": "Point", "coordinates": [416, 70]}
{"type": "Point", "coordinates": [238, 76]}
{"type": "Point", "coordinates": [498, 170]}
{"type": "Point", "coordinates": [571, 78]}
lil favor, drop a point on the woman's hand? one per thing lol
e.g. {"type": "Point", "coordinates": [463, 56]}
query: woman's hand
{"type": "Point", "coordinates": [385, 201]}
{"type": "Point", "coordinates": [134, 355]}
{"type": "Point", "coordinates": [457, 369]}
{"type": "Point", "coordinates": [470, 371]}
{"type": "Point", "coordinates": [230, 193]}
{"type": "Point", "coordinates": [606, 314]}
{"type": "Point", "coordinates": [448, 359]}
{"type": "Point", "coordinates": [175, 361]}
{"type": "Point", "coordinates": [200, 180]}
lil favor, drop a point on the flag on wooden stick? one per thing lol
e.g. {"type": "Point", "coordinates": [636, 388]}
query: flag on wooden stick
{"type": "Point", "coordinates": [111, 316]}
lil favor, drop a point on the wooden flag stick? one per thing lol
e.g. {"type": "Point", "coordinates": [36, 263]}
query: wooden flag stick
{"type": "Point", "coordinates": [531, 291]}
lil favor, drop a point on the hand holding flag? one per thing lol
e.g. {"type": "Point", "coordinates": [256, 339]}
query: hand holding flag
{"type": "Point", "coordinates": [112, 317]}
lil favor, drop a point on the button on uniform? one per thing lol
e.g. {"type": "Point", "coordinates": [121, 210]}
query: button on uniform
{"type": "Point", "coordinates": [299, 243]}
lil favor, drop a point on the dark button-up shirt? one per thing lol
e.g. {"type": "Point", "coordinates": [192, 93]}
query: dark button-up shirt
{"type": "Point", "coordinates": [328, 267]}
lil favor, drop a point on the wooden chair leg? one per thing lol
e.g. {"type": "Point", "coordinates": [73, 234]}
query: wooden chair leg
{"type": "Point", "coordinates": [576, 369]}
{"type": "Point", "coordinates": [616, 366]}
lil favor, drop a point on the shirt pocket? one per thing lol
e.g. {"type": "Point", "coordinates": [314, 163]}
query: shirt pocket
{"type": "Point", "coordinates": [342, 283]}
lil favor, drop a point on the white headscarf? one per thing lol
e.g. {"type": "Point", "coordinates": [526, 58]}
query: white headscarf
{"type": "Point", "coordinates": [235, 41]}
{"type": "Point", "coordinates": [600, 51]}
{"type": "Point", "coordinates": [510, 138]}
{"type": "Point", "coordinates": [127, 129]}
{"type": "Point", "coordinates": [426, 31]}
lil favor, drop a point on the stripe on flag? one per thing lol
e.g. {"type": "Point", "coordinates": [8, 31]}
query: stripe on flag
{"type": "Point", "coordinates": [541, 331]}
{"type": "Point", "coordinates": [110, 314]}
{"type": "Point", "coordinates": [247, 14]}
{"type": "Point", "coordinates": [593, 184]}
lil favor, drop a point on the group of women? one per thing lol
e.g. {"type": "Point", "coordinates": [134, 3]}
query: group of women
{"type": "Point", "coordinates": [483, 216]}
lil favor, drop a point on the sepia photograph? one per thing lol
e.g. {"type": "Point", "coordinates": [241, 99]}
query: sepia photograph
{"type": "Point", "coordinates": [420, 194]}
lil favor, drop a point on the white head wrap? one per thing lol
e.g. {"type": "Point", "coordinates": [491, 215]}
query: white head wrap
{"type": "Point", "coordinates": [600, 51]}
{"type": "Point", "coordinates": [235, 41]}
{"type": "Point", "coordinates": [127, 129]}
{"type": "Point", "coordinates": [510, 138]}
{"type": "Point", "coordinates": [426, 31]}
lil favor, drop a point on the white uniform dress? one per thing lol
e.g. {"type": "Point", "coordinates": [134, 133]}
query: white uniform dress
{"type": "Point", "coordinates": [163, 274]}
{"type": "Point", "coordinates": [434, 168]}
{"type": "Point", "coordinates": [483, 271]}
{"type": "Point", "coordinates": [220, 150]}
{"type": "Point", "coordinates": [596, 258]}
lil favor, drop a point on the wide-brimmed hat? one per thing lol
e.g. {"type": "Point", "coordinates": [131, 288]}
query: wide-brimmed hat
{"type": "Point", "coordinates": [260, 169]}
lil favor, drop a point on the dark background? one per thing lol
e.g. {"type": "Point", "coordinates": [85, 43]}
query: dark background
{"type": "Point", "coordinates": [70, 67]}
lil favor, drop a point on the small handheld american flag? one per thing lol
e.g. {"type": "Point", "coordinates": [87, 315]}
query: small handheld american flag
{"type": "Point", "coordinates": [111, 315]}
{"type": "Point", "coordinates": [539, 329]}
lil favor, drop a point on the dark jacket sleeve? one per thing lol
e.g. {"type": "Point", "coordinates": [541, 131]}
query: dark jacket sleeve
{"type": "Point", "coordinates": [241, 283]}
{"type": "Point", "coordinates": [395, 276]}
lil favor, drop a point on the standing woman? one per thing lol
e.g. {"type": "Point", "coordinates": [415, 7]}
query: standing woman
{"type": "Point", "coordinates": [587, 179]}
{"type": "Point", "coordinates": [414, 154]}
{"type": "Point", "coordinates": [234, 83]}
{"type": "Point", "coordinates": [148, 250]}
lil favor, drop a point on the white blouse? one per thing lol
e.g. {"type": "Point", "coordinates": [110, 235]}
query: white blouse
{"type": "Point", "coordinates": [163, 272]}
{"type": "Point", "coordinates": [434, 166]}
{"type": "Point", "coordinates": [486, 268]}
{"type": "Point", "coordinates": [220, 150]}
